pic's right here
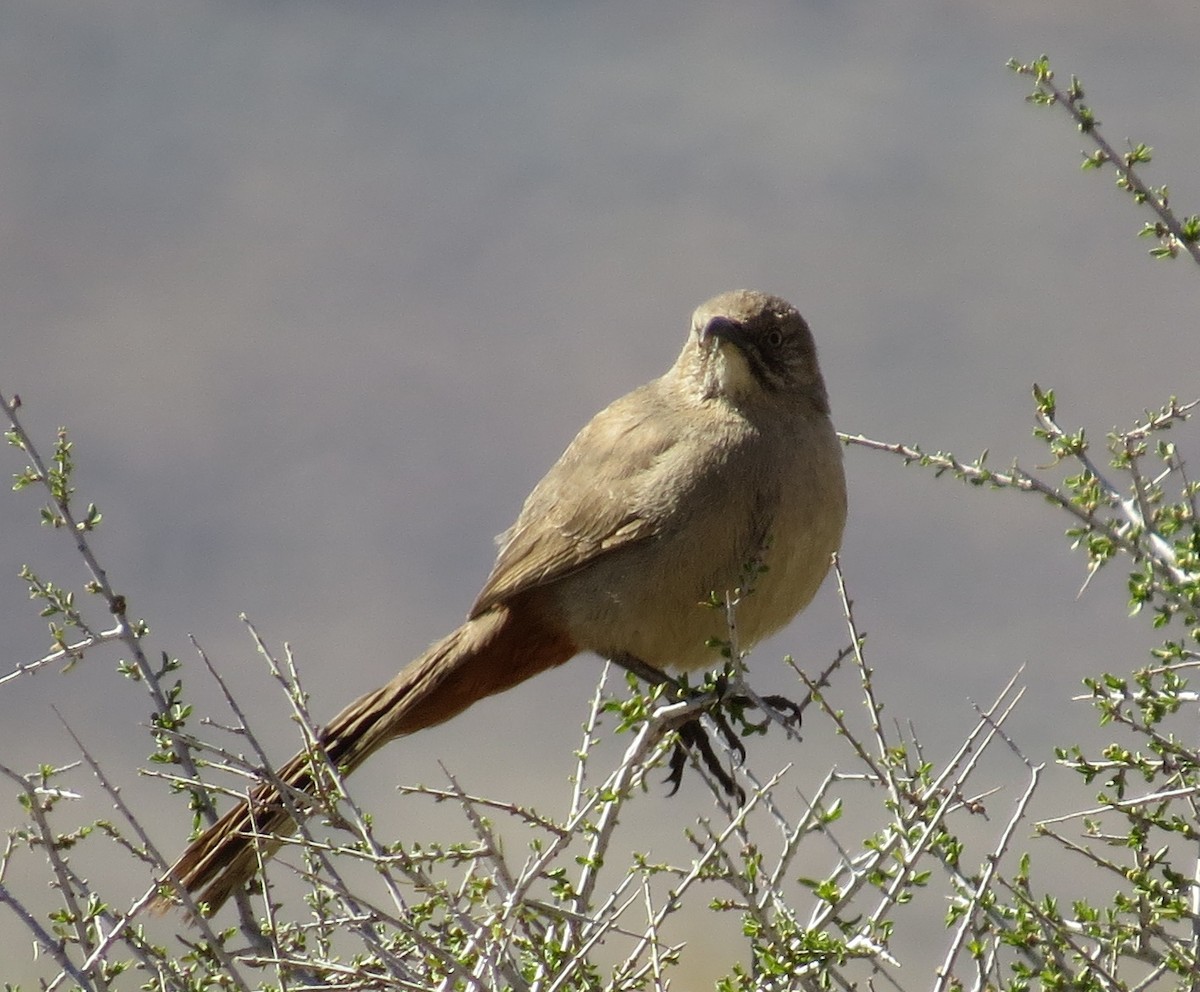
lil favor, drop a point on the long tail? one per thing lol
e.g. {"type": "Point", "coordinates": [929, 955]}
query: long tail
{"type": "Point", "coordinates": [486, 655]}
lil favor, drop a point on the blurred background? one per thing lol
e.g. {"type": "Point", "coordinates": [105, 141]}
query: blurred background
{"type": "Point", "coordinates": [321, 289]}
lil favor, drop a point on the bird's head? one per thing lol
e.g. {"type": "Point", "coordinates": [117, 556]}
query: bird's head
{"type": "Point", "coordinates": [750, 347]}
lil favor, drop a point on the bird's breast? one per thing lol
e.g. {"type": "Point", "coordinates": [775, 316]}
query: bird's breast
{"type": "Point", "coordinates": [756, 530]}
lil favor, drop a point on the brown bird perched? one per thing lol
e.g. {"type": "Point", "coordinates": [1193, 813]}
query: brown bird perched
{"type": "Point", "coordinates": [662, 500]}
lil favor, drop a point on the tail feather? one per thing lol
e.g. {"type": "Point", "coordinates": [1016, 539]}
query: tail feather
{"type": "Point", "coordinates": [486, 655]}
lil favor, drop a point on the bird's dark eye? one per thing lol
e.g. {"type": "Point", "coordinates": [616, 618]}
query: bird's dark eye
{"type": "Point", "coordinates": [775, 338]}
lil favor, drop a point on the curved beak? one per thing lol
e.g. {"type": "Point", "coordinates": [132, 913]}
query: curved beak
{"type": "Point", "coordinates": [723, 328]}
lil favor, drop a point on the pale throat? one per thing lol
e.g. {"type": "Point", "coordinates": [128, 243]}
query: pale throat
{"type": "Point", "coordinates": [728, 374]}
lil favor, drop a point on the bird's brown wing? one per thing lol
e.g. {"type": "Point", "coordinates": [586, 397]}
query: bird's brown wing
{"type": "Point", "coordinates": [595, 499]}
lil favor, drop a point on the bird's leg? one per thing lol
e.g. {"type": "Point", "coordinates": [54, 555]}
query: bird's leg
{"type": "Point", "coordinates": [694, 738]}
{"type": "Point", "coordinates": [644, 671]}
{"type": "Point", "coordinates": [692, 734]}
{"type": "Point", "coordinates": [780, 709]}
{"type": "Point", "coordinates": [788, 710]}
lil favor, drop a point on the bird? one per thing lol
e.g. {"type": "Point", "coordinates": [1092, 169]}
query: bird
{"type": "Point", "coordinates": [728, 460]}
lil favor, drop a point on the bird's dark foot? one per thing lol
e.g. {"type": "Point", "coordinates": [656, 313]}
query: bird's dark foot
{"type": "Point", "coordinates": [790, 711]}
{"type": "Point", "coordinates": [787, 711]}
{"type": "Point", "coordinates": [727, 713]}
{"type": "Point", "coordinates": [693, 738]}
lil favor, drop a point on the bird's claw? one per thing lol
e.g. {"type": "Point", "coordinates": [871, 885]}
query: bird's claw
{"type": "Point", "coordinates": [694, 738]}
